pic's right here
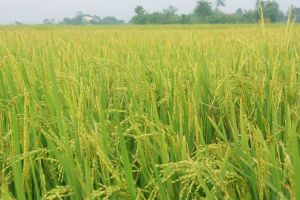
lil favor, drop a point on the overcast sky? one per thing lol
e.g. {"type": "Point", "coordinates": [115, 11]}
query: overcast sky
{"type": "Point", "coordinates": [34, 11]}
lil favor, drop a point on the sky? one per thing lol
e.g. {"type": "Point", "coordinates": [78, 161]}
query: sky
{"type": "Point", "coordinates": [34, 11]}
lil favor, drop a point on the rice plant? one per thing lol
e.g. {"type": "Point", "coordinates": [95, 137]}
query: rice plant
{"type": "Point", "coordinates": [155, 112]}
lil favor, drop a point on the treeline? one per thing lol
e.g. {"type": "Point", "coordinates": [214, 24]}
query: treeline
{"type": "Point", "coordinates": [206, 13]}
{"type": "Point", "coordinates": [85, 19]}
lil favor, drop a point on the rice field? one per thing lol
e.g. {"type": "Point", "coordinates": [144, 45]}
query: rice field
{"type": "Point", "coordinates": [154, 112]}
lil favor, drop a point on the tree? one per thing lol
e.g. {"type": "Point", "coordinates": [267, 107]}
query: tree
{"type": "Point", "coordinates": [141, 17]}
{"type": "Point", "coordinates": [19, 23]}
{"type": "Point", "coordinates": [171, 11]}
{"type": "Point", "coordinates": [84, 19]}
{"type": "Point", "coordinates": [139, 10]}
{"type": "Point", "coordinates": [220, 3]}
{"type": "Point", "coordinates": [204, 13]}
{"type": "Point", "coordinates": [270, 11]}
{"type": "Point", "coordinates": [239, 12]}
{"type": "Point", "coordinates": [167, 16]}
{"type": "Point", "coordinates": [295, 14]}
{"type": "Point", "coordinates": [170, 15]}
{"type": "Point", "coordinates": [156, 18]}
{"type": "Point", "coordinates": [111, 20]}
{"type": "Point", "coordinates": [77, 20]}
{"type": "Point", "coordinates": [203, 10]}
{"type": "Point", "coordinates": [186, 19]}
{"type": "Point", "coordinates": [49, 21]}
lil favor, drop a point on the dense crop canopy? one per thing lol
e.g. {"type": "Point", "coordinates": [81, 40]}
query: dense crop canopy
{"type": "Point", "coordinates": [159, 112]}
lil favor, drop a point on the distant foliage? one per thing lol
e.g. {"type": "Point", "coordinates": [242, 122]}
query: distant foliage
{"type": "Point", "coordinates": [111, 20]}
{"type": "Point", "coordinates": [167, 16]}
{"type": "Point", "coordinates": [49, 21]}
{"type": "Point", "coordinates": [85, 19]}
{"type": "Point", "coordinates": [204, 13]}
{"type": "Point", "coordinates": [295, 14]}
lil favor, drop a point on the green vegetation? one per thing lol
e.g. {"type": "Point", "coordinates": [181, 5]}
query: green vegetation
{"type": "Point", "coordinates": [155, 112]}
{"type": "Point", "coordinates": [84, 19]}
{"type": "Point", "coordinates": [204, 13]}
{"type": "Point", "coordinates": [295, 14]}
